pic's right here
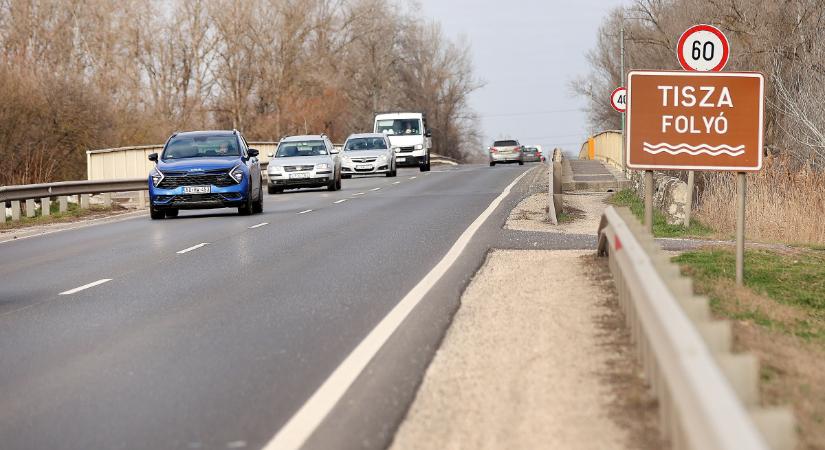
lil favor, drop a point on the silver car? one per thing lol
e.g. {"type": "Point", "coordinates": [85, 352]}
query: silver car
{"type": "Point", "coordinates": [304, 162]}
{"type": "Point", "coordinates": [506, 151]}
{"type": "Point", "coordinates": [368, 153]}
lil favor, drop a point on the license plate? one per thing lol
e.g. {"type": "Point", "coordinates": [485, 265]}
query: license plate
{"type": "Point", "coordinates": [197, 189]}
{"type": "Point", "coordinates": [400, 159]}
{"type": "Point", "coordinates": [364, 167]}
{"type": "Point", "coordinates": [298, 175]}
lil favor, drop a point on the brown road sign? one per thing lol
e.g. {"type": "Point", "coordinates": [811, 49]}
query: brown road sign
{"type": "Point", "coordinates": [695, 121]}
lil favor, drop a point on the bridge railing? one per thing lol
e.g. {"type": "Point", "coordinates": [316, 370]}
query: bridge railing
{"type": "Point", "coordinates": [708, 396]}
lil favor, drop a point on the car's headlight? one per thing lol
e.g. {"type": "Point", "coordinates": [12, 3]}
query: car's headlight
{"type": "Point", "coordinates": [396, 149]}
{"type": "Point", "coordinates": [382, 158]}
{"type": "Point", "coordinates": [157, 177]}
{"type": "Point", "coordinates": [236, 173]}
{"type": "Point", "coordinates": [276, 169]}
{"type": "Point", "coordinates": [346, 159]}
{"type": "Point", "coordinates": [419, 147]}
{"type": "Point", "coordinates": [322, 166]}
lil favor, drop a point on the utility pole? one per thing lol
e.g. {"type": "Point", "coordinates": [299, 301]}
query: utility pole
{"type": "Point", "coordinates": [624, 150]}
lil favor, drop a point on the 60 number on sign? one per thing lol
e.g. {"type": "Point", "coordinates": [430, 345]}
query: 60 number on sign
{"type": "Point", "coordinates": [703, 48]}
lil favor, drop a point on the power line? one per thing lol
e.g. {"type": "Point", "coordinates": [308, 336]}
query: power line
{"type": "Point", "coordinates": [533, 113]}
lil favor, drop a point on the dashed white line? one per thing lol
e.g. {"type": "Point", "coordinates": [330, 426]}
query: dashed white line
{"type": "Point", "coordinates": [194, 247]}
{"type": "Point", "coordinates": [259, 225]}
{"type": "Point", "coordinates": [86, 286]}
{"type": "Point", "coordinates": [309, 416]}
{"type": "Point", "coordinates": [340, 201]}
{"type": "Point", "coordinates": [397, 182]}
{"type": "Point", "coordinates": [412, 178]}
{"type": "Point", "coordinates": [360, 193]}
{"type": "Point", "coordinates": [375, 189]}
{"type": "Point", "coordinates": [304, 212]}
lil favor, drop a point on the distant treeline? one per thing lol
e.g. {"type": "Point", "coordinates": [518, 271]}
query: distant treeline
{"type": "Point", "coordinates": [785, 40]}
{"type": "Point", "coordinates": [85, 74]}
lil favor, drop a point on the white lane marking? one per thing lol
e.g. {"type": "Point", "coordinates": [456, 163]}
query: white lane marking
{"type": "Point", "coordinates": [259, 225]}
{"type": "Point", "coordinates": [375, 189]}
{"type": "Point", "coordinates": [340, 201]}
{"type": "Point", "coordinates": [194, 247]}
{"type": "Point", "coordinates": [304, 422]}
{"type": "Point", "coordinates": [304, 212]}
{"type": "Point", "coordinates": [360, 193]}
{"type": "Point", "coordinates": [412, 178]}
{"type": "Point", "coordinates": [86, 286]}
{"type": "Point", "coordinates": [397, 182]}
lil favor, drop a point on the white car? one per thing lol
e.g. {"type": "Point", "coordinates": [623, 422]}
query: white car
{"type": "Point", "coordinates": [366, 154]}
{"type": "Point", "coordinates": [408, 132]}
{"type": "Point", "coordinates": [304, 162]}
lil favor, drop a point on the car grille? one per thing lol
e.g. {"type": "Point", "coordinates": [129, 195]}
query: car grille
{"type": "Point", "coordinates": [297, 168]}
{"type": "Point", "coordinates": [363, 160]}
{"type": "Point", "coordinates": [198, 198]}
{"type": "Point", "coordinates": [407, 149]}
{"type": "Point", "coordinates": [173, 180]}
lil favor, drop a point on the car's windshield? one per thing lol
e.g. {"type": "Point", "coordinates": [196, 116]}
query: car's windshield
{"type": "Point", "coordinates": [180, 147]}
{"type": "Point", "coordinates": [301, 148]}
{"type": "Point", "coordinates": [505, 143]}
{"type": "Point", "coordinates": [371, 143]}
{"type": "Point", "coordinates": [399, 127]}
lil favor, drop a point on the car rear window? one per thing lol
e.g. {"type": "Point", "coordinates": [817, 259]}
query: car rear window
{"type": "Point", "coordinates": [505, 143]}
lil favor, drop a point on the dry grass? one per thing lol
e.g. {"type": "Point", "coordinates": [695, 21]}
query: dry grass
{"type": "Point", "coordinates": [784, 204]}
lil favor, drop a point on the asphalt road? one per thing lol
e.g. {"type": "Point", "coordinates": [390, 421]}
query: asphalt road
{"type": "Point", "coordinates": [219, 346]}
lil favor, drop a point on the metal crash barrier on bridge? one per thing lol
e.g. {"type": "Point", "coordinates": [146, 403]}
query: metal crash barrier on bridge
{"type": "Point", "coordinates": [708, 397]}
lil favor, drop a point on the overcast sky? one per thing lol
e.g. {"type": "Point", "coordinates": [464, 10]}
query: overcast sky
{"type": "Point", "coordinates": [527, 51]}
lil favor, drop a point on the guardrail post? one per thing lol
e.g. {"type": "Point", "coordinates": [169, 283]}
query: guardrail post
{"type": "Point", "coordinates": [29, 207]}
{"type": "Point", "coordinates": [107, 199]}
{"type": "Point", "coordinates": [45, 206]}
{"type": "Point", "coordinates": [15, 211]}
{"type": "Point", "coordinates": [63, 201]}
{"type": "Point", "coordinates": [141, 199]}
{"type": "Point", "coordinates": [84, 201]}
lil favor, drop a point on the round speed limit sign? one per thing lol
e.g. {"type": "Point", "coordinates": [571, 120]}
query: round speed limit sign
{"type": "Point", "coordinates": [703, 48]}
{"type": "Point", "coordinates": [619, 99]}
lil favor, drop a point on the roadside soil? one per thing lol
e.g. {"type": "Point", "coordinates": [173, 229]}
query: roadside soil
{"type": "Point", "coordinates": [582, 213]}
{"type": "Point", "coordinates": [537, 357]}
{"type": "Point", "coordinates": [40, 225]}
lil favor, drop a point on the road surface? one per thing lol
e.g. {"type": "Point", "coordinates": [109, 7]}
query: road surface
{"type": "Point", "coordinates": [213, 329]}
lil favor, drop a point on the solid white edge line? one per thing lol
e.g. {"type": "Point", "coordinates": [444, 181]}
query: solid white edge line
{"type": "Point", "coordinates": [259, 225]}
{"type": "Point", "coordinates": [340, 201]}
{"type": "Point", "coordinates": [304, 212]}
{"type": "Point", "coordinates": [194, 247]}
{"type": "Point", "coordinates": [307, 419]}
{"type": "Point", "coordinates": [86, 286]}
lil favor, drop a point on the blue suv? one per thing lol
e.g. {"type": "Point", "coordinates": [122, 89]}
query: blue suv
{"type": "Point", "coordinates": [205, 169]}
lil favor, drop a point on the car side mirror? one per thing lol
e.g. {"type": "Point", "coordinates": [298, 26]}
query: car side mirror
{"type": "Point", "coordinates": [335, 151]}
{"type": "Point", "coordinates": [271, 155]}
{"type": "Point", "coordinates": [153, 157]}
{"type": "Point", "coordinates": [253, 152]}
{"type": "Point", "coordinates": [428, 134]}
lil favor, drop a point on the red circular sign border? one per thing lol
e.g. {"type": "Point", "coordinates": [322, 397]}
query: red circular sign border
{"type": "Point", "coordinates": [712, 29]}
{"type": "Point", "coordinates": [611, 99]}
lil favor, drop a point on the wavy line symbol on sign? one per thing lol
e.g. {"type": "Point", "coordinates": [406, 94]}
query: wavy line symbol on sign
{"type": "Point", "coordinates": [693, 150]}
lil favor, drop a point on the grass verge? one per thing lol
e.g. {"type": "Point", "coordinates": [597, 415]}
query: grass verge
{"type": "Point", "coordinates": [73, 214]}
{"type": "Point", "coordinates": [779, 315]}
{"type": "Point", "coordinates": [661, 228]}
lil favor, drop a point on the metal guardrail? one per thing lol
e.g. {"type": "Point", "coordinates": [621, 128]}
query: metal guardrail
{"type": "Point", "coordinates": [708, 396]}
{"type": "Point", "coordinates": [30, 191]}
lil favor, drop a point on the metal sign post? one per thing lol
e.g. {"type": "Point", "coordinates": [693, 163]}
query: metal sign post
{"type": "Point", "coordinates": [740, 228]}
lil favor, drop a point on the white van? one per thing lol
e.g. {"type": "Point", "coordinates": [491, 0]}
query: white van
{"type": "Point", "coordinates": [409, 137]}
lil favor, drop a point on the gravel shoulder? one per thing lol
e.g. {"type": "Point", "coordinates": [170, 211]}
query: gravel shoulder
{"type": "Point", "coordinates": [535, 358]}
{"type": "Point", "coordinates": [586, 210]}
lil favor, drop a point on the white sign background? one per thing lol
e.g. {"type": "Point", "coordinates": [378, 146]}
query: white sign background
{"type": "Point", "coordinates": [703, 50]}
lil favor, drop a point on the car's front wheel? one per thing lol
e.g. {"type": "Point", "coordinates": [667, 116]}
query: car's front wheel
{"type": "Point", "coordinates": [156, 214]}
{"type": "Point", "coordinates": [273, 190]}
{"type": "Point", "coordinates": [426, 166]}
{"type": "Point", "coordinates": [492, 163]}
{"type": "Point", "coordinates": [520, 162]}
{"type": "Point", "coordinates": [258, 206]}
